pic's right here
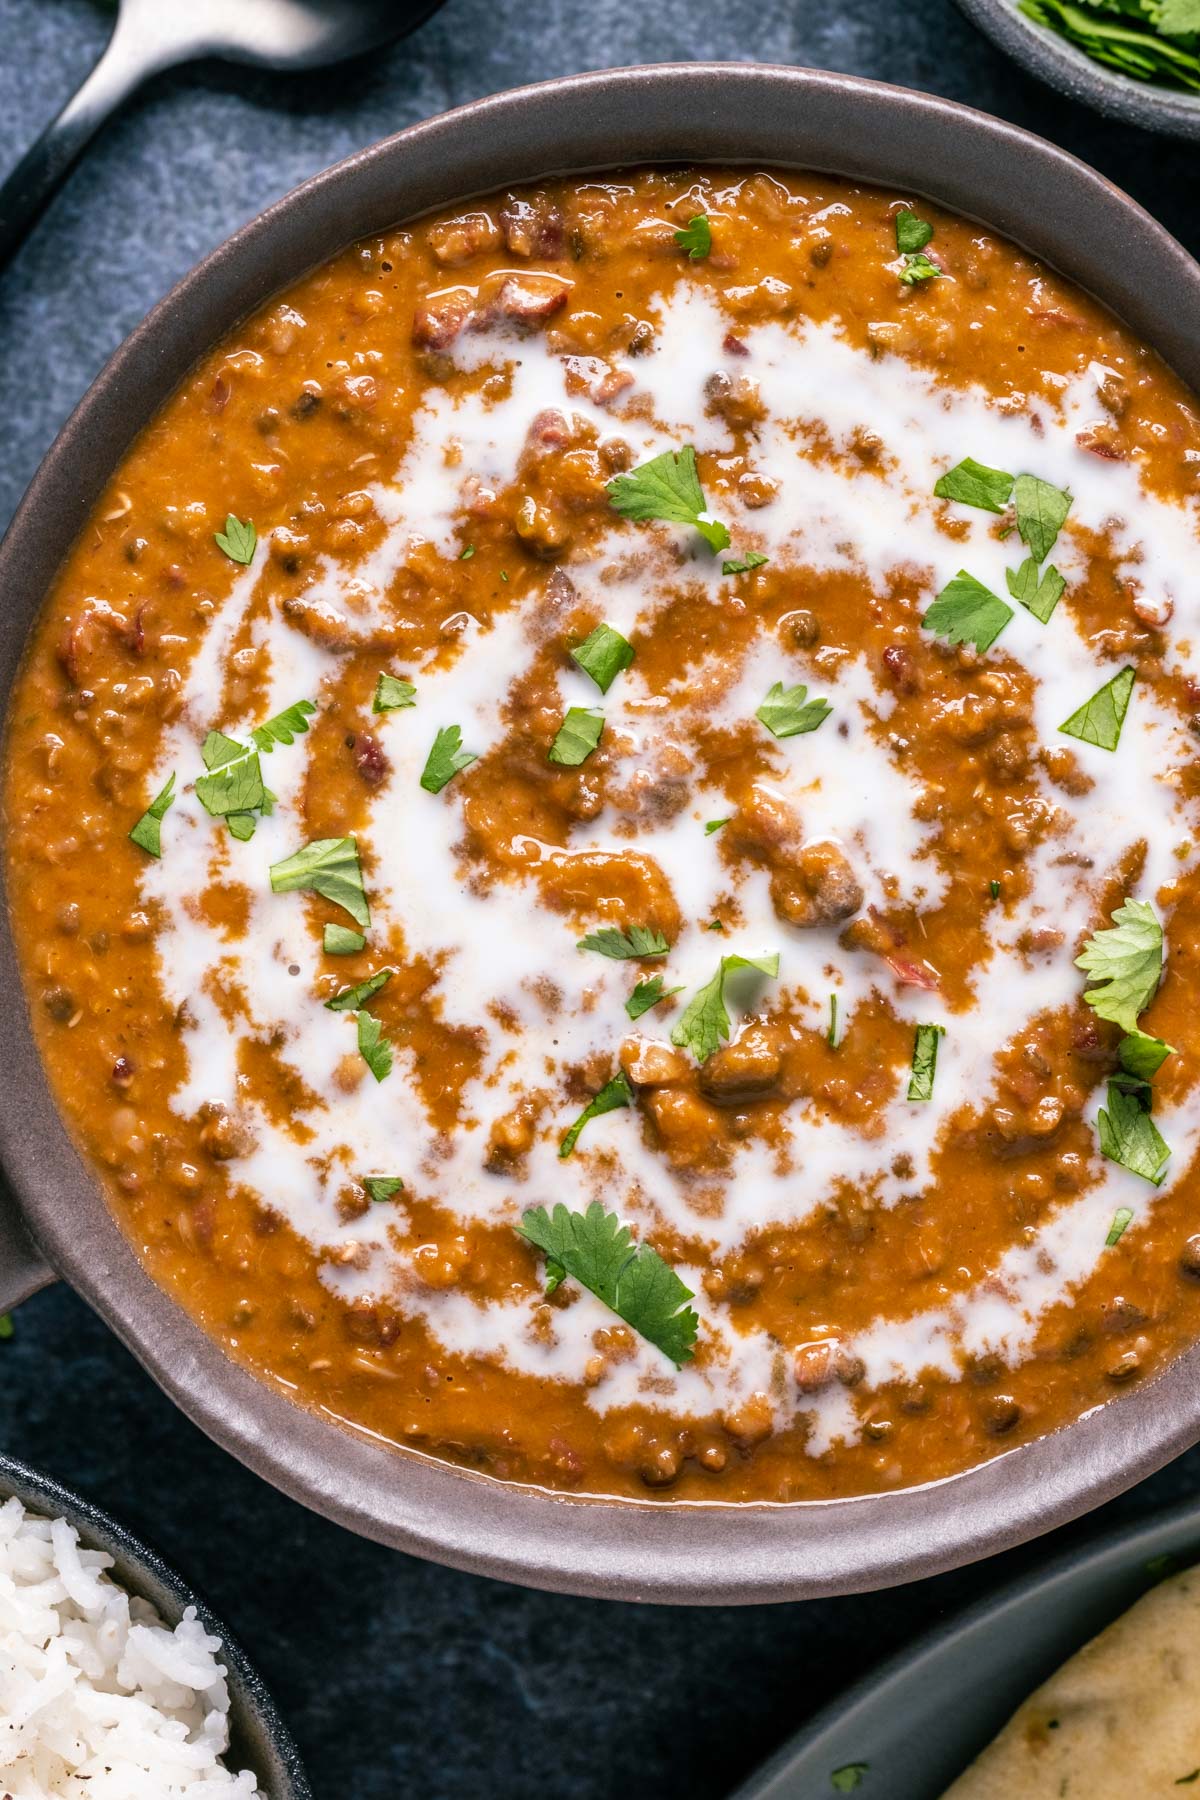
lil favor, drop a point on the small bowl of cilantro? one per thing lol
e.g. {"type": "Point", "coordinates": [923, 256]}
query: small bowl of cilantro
{"type": "Point", "coordinates": [1137, 60]}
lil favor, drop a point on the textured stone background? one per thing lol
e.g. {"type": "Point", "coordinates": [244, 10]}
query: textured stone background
{"type": "Point", "coordinates": [399, 1677]}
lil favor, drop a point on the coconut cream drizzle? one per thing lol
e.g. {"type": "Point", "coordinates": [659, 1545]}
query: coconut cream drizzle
{"type": "Point", "coordinates": [497, 950]}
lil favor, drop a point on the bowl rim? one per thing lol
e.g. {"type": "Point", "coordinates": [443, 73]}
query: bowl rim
{"type": "Point", "coordinates": [1069, 69]}
{"type": "Point", "coordinates": [680, 1552]}
{"type": "Point", "coordinates": [260, 1739]}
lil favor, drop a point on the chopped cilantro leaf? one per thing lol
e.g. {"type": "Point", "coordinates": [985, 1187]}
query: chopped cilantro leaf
{"type": "Point", "coordinates": [241, 825]}
{"type": "Point", "coordinates": [994, 889]}
{"type": "Point", "coordinates": [1116, 1231]}
{"type": "Point", "coordinates": [602, 655]}
{"type": "Point", "coordinates": [973, 483]}
{"type": "Point", "coordinates": [382, 1187]}
{"type": "Point", "coordinates": [147, 833]}
{"type": "Point", "coordinates": [1041, 509]}
{"type": "Point", "coordinates": [285, 727]}
{"type": "Point", "coordinates": [848, 1777]}
{"type": "Point", "coordinates": [712, 825]}
{"type": "Point", "coordinates": [704, 1023]}
{"type": "Point", "coordinates": [391, 693]}
{"type": "Point", "coordinates": [647, 994]}
{"type": "Point", "coordinates": [234, 782]}
{"type": "Point", "coordinates": [831, 1036]}
{"type": "Point", "coordinates": [339, 940]}
{"type": "Point", "coordinates": [238, 540]}
{"type": "Point", "coordinates": [1099, 720]}
{"type": "Point", "coordinates": [373, 1047]}
{"type": "Point", "coordinates": [353, 999]}
{"type": "Point", "coordinates": [1129, 1136]}
{"type": "Point", "coordinates": [446, 759]}
{"type": "Point", "coordinates": [668, 487]}
{"type": "Point", "coordinates": [1039, 594]}
{"type": "Point", "coordinates": [631, 1279]}
{"type": "Point", "coordinates": [577, 736]}
{"type": "Point", "coordinates": [1142, 1056]}
{"type": "Point", "coordinates": [612, 1097]}
{"type": "Point", "coordinates": [695, 237]}
{"type": "Point", "coordinates": [924, 1061]}
{"type": "Point", "coordinates": [467, 554]}
{"type": "Point", "coordinates": [965, 612]}
{"type": "Point", "coordinates": [742, 565]}
{"type": "Point", "coordinates": [912, 233]}
{"type": "Point", "coordinates": [787, 712]}
{"type": "Point", "coordinates": [639, 942]}
{"type": "Point", "coordinates": [1123, 963]}
{"type": "Point", "coordinates": [329, 867]}
{"type": "Point", "coordinates": [918, 268]}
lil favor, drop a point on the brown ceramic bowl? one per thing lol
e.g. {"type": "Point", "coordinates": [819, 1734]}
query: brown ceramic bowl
{"type": "Point", "coordinates": [1061, 211]}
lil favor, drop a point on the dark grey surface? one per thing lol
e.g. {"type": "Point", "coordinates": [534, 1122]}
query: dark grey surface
{"type": "Point", "coordinates": [397, 1676]}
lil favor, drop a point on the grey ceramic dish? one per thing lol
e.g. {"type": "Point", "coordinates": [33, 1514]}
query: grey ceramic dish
{"type": "Point", "coordinates": [1080, 77]}
{"type": "Point", "coordinates": [658, 1551]}
{"type": "Point", "coordinates": [259, 1738]}
{"type": "Point", "coordinates": [919, 1720]}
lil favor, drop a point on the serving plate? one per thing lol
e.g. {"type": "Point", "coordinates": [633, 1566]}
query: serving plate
{"type": "Point", "coordinates": [259, 1738]}
{"type": "Point", "coordinates": [688, 1553]}
{"type": "Point", "coordinates": [1066, 67]}
{"type": "Point", "coordinates": [927, 1713]}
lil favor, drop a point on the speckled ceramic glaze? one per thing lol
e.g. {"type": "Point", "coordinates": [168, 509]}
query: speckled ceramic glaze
{"type": "Point", "coordinates": [1066, 67]}
{"type": "Point", "coordinates": [1063, 212]}
{"type": "Point", "coordinates": [259, 1738]}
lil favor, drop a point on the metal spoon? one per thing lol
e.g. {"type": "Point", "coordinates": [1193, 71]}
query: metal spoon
{"type": "Point", "coordinates": [152, 35]}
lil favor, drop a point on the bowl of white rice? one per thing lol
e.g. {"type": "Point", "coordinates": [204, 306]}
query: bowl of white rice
{"type": "Point", "coordinates": [116, 1682]}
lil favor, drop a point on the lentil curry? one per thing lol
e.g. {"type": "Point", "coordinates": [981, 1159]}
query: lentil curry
{"type": "Point", "coordinates": [564, 819]}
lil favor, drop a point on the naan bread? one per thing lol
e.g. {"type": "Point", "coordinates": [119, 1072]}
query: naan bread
{"type": "Point", "coordinates": [1120, 1721]}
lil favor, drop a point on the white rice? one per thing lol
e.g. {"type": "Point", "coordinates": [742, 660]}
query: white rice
{"type": "Point", "coordinates": [98, 1699]}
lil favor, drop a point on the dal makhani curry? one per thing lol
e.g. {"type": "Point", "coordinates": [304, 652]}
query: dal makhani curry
{"type": "Point", "coordinates": [602, 828]}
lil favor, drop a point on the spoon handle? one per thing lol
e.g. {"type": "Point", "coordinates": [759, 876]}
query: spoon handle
{"type": "Point", "coordinates": [123, 66]}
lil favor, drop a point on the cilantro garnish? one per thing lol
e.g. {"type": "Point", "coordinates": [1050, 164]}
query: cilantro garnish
{"type": "Point", "coordinates": [647, 994]}
{"type": "Point", "coordinates": [1041, 509]}
{"type": "Point", "coordinates": [638, 942]}
{"type": "Point", "coordinates": [1138, 40]}
{"type": "Point", "coordinates": [602, 655]}
{"type": "Point", "coordinates": [668, 487]}
{"type": "Point", "coordinates": [1142, 1056]}
{"type": "Point", "coordinates": [612, 1097]}
{"type": "Point", "coordinates": [353, 999]}
{"type": "Point", "coordinates": [965, 612]}
{"type": "Point", "coordinates": [329, 867]}
{"type": "Point", "coordinates": [446, 759]}
{"type": "Point", "coordinates": [1129, 1136]}
{"type": "Point", "coordinates": [1099, 720]}
{"type": "Point", "coordinates": [994, 889]}
{"type": "Point", "coordinates": [848, 1777]}
{"type": "Point", "coordinates": [742, 565]}
{"type": "Point", "coordinates": [577, 736]}
{"type": "Point", "coordinates": [918, 268]}
{"type": "Point", "coordinates": [787, 712]}
{"type": "Point", "coordinates": [382, 1187]}
{"type": "Point", "coordinates": [233, 788]}
{"type": "Point", "coordinates": [285, 727]}
{"type": "Point", "coordinates": [973, 483]}
{"type": "Point", "coordinates": [1116, 1231]}
{"type": "Point", "coordinates": [391, 693]}
{"type": "Point", "coordinates": [147, 833]}
{"type": "Point", "coordinates": [924, 1061]}
{"type": "Point", "coordinates": [695, 237]}
{"type": "Point", "coordinates": [712, 825]}
{"type": "Point", "coordinates": [237, 540]}
{"type": "Point", "coordinates": [1039, 594]}
{"type": "Point", "coordinates": [373, 1047]}
{"type": "Point", "coordinates": [467, 554]}
{"type": "Point", "coordinates": [1123, 963]}
{"type": "Point", "coordinates": [704, 1024]}
{"type": "Point", "coordinates": [831, 1036]}
{"type": "Point", "coordinates": [912, 233]}
{"type": "Point", "coordinates": [631, 1279]}
{"type": "Point", "coordinates": [339, 940]}
{"type": "Point", "coordinates": [7, 1328]}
